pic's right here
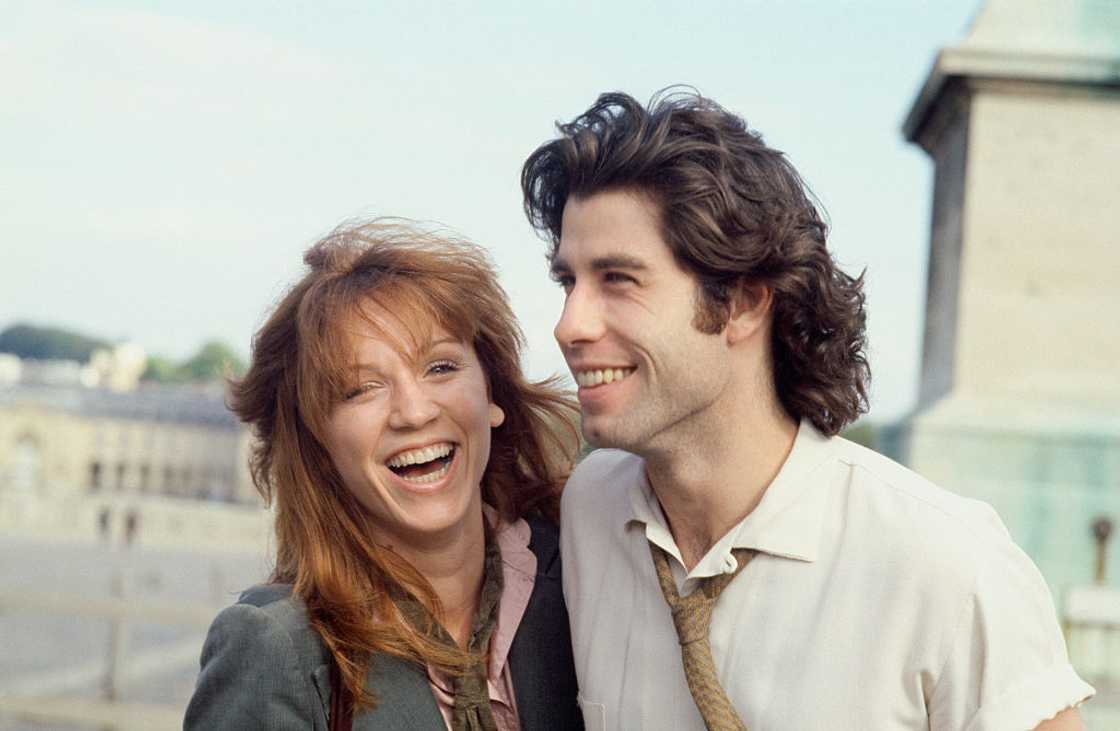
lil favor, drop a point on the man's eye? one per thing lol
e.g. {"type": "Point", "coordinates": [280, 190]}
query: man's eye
{"type": "Point", "coordinates": [618, 278]}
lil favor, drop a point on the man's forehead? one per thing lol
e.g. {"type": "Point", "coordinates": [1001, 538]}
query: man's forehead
{"type": "Point", "coordinates": [616, 229]}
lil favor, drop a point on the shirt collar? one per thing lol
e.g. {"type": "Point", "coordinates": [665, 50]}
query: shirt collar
{"type": "Point", "coordinates": [519, 571]}
{"type": "Point", "coordinates": [787, 522]}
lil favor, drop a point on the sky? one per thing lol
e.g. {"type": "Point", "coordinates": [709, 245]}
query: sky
{"type": "Point", "coordinates": [164, 165]}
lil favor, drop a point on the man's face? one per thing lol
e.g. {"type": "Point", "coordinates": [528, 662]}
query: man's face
{"type": "Point", "coordinates": [645, 374]}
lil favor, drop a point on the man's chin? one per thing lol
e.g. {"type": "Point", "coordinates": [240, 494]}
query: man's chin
{"type": "Point", "coordinates": [600, 435]}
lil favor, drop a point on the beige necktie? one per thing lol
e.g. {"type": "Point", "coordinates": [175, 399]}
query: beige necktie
{"type": "Point", "coordinates": [692, 615]}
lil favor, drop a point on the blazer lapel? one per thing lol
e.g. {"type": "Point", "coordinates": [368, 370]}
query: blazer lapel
{"type": "Point", "coordinates": [540, 658]}
{"type": "Point", "coordinates": [404, 698]}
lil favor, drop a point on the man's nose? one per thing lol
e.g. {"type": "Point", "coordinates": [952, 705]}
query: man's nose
{"type": "Point", "coordinates": [412, 405]}
{"type": "Point", "coordinates": [581, 320]}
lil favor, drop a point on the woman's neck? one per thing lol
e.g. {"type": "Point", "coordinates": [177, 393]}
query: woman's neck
{"type": "Point", "coordinates": [452, 566]}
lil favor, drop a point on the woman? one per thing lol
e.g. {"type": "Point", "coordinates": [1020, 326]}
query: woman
{"type": "Point", "coordinates": [415, 477]}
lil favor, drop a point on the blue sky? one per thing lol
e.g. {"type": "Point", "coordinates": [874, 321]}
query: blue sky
{"type": "Point", "coordinates": [165, 164]}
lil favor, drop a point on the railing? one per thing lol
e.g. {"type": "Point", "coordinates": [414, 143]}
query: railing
{"type": "Point", "coordinates": [1091, 623]}
{"type": "Point", "coordinates": [36, 698]}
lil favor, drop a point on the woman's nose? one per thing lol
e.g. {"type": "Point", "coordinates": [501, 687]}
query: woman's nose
{"type": "Point", "coordinates": [412, 406]}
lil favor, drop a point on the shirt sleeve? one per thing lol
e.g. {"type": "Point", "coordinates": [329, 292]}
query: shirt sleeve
{"type": "Point", "coordinates": [250, 677]}
{"type": "Point", "coordinates": [1006, 667]}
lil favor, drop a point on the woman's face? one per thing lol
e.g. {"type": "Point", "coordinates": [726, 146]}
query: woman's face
{"type": "Point", "coordinates": [411, 438]}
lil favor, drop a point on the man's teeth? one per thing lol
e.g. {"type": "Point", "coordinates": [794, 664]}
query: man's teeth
{"type": "Point", "coordinates": [428, 478]}
{"type": "Point", "coordinates": [420, 456]}
{"type": "Point", "coordinates": [587, 379]}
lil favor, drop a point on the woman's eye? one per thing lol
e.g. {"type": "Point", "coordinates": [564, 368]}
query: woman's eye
{"type": "Point", "coordinates": [442, 367]}
{"type": "Point", "coordinates": [361, 389]}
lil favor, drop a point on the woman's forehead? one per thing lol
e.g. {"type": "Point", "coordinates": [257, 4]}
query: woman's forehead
{"type": "Point", "coordinates": [409, 333]}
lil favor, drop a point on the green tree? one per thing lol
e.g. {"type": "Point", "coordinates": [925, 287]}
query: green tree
{"type": "Point", "coordinates": [46, 343]}
{"type": "Point", "coordinates": [162, 370]}
{"type": "Point", "coordinates": [214, 360]}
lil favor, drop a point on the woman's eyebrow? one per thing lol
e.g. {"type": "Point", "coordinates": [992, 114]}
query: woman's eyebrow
{"type": "Point", "coordinates": [365, 369]}
{"type": "Point", "coordinates": [450, 340]}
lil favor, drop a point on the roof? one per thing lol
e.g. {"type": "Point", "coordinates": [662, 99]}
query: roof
{"type": "Point", "coordinates": [1058, 41]}
{"type": "Point", "coordinates": [181, 405]}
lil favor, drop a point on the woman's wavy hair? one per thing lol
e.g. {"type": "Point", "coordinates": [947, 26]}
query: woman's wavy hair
{"type": "Point", "coordinates": [735, 213]}
{"type": "Point", "coordinates": [303, 364]}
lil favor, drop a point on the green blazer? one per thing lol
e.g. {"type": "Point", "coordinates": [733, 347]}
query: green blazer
{"type": "Point", "coordinates": [264, 667]}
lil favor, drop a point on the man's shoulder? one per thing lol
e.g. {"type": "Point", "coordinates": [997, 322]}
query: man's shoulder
{"type": "Point", "coordinates": [911, 500]}
{"type": "Point", "coordinates": [596, 499]}
{"type": "Point", "coordinates": [600, 461]}
{"type": "Point", "coordinates": [915, 522]}
{"type": "Point", "coordinates": [945, 546]}
{"type": "Point", "coordinates": [603, 468]}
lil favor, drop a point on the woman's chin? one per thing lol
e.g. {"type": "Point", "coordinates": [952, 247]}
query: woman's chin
{"type": "Point", "coordinates": [436, 520]}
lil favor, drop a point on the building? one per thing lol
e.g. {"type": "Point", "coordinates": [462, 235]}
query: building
{"type": "Point", "coordinates": [96, 464]}
{"type": "Point", "coordinates": [1020, 388]}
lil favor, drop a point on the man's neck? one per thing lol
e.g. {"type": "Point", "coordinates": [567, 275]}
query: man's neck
{"type": "Point", "coordinates": [716, 473]}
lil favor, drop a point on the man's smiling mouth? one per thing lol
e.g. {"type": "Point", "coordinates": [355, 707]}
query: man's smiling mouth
{"type": "Point", "coordinates": [601, 376]}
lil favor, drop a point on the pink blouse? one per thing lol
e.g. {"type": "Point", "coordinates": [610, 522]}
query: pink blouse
{"type": "Point", "coordinates": [519, 571]}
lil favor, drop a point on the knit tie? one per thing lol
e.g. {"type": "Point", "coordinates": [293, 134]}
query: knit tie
{"type": "Point", "coordinates": [692, 615]}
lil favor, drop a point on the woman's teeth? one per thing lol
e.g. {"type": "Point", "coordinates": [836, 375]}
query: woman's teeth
{"type": "Point", "coordinates": [423, 466]}
{"type": "Point", "coordinates": [419, 456]}
{"type": "Point", "coordinates": [429, 477]}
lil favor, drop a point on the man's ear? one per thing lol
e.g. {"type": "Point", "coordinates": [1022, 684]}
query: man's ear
{"type": "Point", "coordinates": [750, 311]}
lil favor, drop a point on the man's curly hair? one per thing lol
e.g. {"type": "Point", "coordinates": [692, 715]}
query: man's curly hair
{"type": "Point", "coordinates": [734, 212]}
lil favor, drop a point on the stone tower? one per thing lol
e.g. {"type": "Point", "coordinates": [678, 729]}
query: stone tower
{"type": "Point", "coordinates": [1020, 386]}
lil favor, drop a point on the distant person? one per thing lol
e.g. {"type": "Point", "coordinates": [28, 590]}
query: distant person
{"type": "Point", "coordinates": [728, 560]}
{"type": "Point", "coordinates": [415, 477]}
{"type": "Point", "coordinates": [103, 524]}
{"type": "Point", "coordinates": [131, 527]}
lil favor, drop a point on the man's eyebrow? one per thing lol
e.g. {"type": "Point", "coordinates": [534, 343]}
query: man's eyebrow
{"type": "Point", "coordinates": [558, 267]}
{"type": "Point", "coordinates": [601, 263]}
{"type": "Point", "coordinates": [617, 261]}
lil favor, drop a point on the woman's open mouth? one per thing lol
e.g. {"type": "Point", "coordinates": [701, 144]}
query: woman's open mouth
{"type": "Point", "coordinates": [423, 466]}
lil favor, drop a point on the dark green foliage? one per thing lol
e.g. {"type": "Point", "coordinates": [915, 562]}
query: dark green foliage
{"type": "Point", "coordinates": [213, 361]}
{"type": "Point", "coordinates": [48, 343]}
{"type": "Point", "coordinates": [161, 370]}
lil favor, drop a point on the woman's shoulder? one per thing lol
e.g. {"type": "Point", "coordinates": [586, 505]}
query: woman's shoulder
{"type": "Point", "coordinates": [272, 612]}
{"type": "Point", "coordinates": [277, 600]}
{"type": "Point", "coordinates": [261, 663]}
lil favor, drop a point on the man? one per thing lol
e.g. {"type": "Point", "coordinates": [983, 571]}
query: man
{"type": "Point", "coordinates": [718, 350]}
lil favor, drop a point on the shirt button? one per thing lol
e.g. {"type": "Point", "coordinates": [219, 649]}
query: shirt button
{"type": "Point", "coordinates": [730, 564]}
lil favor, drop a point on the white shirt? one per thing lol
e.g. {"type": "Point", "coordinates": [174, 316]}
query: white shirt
{"type": "Point", "coordinates": [877, 601]}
